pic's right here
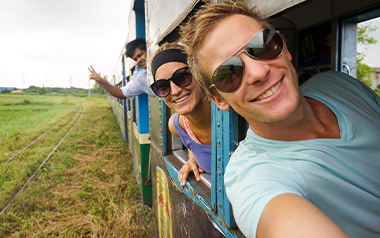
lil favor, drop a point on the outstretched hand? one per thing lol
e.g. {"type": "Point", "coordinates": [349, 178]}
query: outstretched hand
{"type": "Point", "coordinates": [93, 74]}
{"type": "Point", "coordinates": [191, 165]}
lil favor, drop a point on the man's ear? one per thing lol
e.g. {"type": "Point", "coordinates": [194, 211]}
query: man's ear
{"type": "Point", "coordinates": [223, 105]}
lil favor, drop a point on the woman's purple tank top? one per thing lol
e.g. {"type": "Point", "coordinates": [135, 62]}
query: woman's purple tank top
{"type": "Point", "coordinates": [201, 152]}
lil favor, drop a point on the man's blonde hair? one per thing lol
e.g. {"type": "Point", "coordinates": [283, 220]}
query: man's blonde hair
{"type": "Point", "coordinates": [203, 21]}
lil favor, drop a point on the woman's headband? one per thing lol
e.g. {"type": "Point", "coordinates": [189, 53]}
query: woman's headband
{"type": "Point", "coordinates": [170, 55]}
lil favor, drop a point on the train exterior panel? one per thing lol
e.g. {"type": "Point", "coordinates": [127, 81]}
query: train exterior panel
{"type": "Point", "coordinates": [201, 208]}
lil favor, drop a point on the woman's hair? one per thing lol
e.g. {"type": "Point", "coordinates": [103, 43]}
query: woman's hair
{"type": "Point", "coordinates": [168, 46]}
{"type": "Point", "coordinates": [203, 21]}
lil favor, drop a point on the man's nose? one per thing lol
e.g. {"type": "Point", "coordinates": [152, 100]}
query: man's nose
{"type": "Point", "coordinates": [255, 71]}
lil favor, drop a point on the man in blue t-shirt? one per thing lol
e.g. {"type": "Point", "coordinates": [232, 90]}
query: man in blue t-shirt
{"type": "Point", "coordinates": [310, 165]}
{"type": "Point", "coordinates": [138, 83]}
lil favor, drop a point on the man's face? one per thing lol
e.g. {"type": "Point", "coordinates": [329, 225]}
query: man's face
{"type": "Point", "coordinates": [269, 89]}
{"type": "Point", "coordinates": [140, 57]}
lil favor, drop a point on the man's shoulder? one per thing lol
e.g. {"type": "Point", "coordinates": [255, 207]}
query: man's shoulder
{"type": "Point", "coordinates": [330, 81]}
{"type": "Point", "coordinates": [329, 77]}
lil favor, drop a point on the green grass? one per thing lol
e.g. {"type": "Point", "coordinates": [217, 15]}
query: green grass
{"type": "Point", "coordinates": [86, 189]}
{"type": "Point", "coordinates": [22, 112]}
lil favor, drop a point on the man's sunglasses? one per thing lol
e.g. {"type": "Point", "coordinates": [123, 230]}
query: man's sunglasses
{"type": "Point", "coordinates": [181, 77]}
{"type": "Point", "coordinates": [265, 45]}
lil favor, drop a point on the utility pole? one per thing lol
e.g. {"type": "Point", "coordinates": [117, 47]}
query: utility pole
{"type": "Point", "coordinates": [23, 79]}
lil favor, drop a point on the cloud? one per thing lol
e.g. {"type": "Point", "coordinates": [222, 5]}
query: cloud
{"type": "Point", "coordinates": [49, 42]}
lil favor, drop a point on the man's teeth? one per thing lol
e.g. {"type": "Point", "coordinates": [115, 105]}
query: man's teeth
{"type": "Point", "coordinates": [270, 91]}
{"type": "Point", "coordinates": [181, 99]}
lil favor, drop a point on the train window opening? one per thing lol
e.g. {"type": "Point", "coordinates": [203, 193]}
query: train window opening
{"type": "Point", "coordinates": [358, 50]}
{"type": "Point", "coordinates": [180, 152]}
{"type": "Point", "coordinates": [134, 116]}
{"type": "Point", "coordinates": [314, 51]}
{"type": "Point", "coordinates": [368, 47]}
{"type": "Point", "coordinates": [128, 102]}
{"type": "Point", "coordinates": [136, 112]}
{"type": "Point", "coordinates": [119, 100]}
{"type": "Point", "coordinates": [242, 128]}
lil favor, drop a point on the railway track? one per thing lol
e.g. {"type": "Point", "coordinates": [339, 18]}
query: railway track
{"type": "Point", "coordinates": [38, 138]}
{"type": "Point", "coordinates": [47, 158]}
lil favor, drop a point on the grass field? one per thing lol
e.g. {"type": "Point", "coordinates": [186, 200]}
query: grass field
{"type": "Point", "coordinates": [86, 189]}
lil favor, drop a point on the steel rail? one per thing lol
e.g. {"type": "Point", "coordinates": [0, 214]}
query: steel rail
{"type": "Point", "coordinates": [47, 158]}
{"type": "Point", "coordinates": [26, 147]}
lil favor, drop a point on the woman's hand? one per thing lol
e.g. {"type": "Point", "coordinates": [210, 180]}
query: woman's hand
{"type": "Point", "coordinates": [191, 165]}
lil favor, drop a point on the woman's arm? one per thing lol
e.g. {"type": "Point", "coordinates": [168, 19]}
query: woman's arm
{"type": "Point", "coordinates": [190, 165]}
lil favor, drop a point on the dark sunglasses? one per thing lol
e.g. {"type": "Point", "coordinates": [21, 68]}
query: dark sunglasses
{"type": "Point", "coordinates": [265, 45]}
{"type": "Point", "coordinates": [181, 77]}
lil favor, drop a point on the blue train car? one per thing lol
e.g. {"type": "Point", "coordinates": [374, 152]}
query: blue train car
{"type": "Point", "coordinates": [201, 208]}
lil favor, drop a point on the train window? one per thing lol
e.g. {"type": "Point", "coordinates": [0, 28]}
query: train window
{"type": "Point", "coordinates": [358, 50]}
{"type": "Point", "coordinates": [314, 52]}
{"type": "Point", "coordinates": [120, 101]}
{"type": "Point", "coordinates": [129, 106]}
{"type": "Point", "coordinates": [368, 44]}
{"type": "Point", "coordinates": [242, 128]}
{"type": "Point", "coordinates": [176, 143]}
{"type": "Point", "coordinates": [134, 117]}
{"type": "Point", "coordinates": [181, 152]}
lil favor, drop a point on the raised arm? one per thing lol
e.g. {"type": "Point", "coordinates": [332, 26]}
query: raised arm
{"type": "Point", "coordinates": [190, 165]}
{"type": "Point", "coordinates": [290, 215]}
{"type": "Point", "coordinates": [113, 90]}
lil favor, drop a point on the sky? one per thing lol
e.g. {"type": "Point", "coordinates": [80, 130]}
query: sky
{"type": "Point", "coordinates": [51, 43]}
{"type": "Point", "coordinates": [47, 42]}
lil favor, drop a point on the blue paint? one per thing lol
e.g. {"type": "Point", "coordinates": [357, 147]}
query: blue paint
{"type": "Point", "coordinates": [142, 113]}
{"type": "Point", "coordinates": [224, 142]}
{"type": "Point", "coordinates": [125, 107]}
{"type": "Point", "coordinates": [348, 49]}
{"type": "Point", "coordinates": [192, 191]}
{"type": "Point", "coordinates": [229, 141]}
{"type": "Point", "coordinates": [215, 127]}
{"type": "Point", "coordinates": [164, 128]}
{"type": "Point", "coordinates": [140, 18]}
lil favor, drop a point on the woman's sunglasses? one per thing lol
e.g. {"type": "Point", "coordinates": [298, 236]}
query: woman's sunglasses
{"type": "Point", "coordinates": [265, 45]}
{"type": "Point", "coordinates": [181, 77]}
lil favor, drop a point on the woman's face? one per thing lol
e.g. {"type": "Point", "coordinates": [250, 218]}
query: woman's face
{"type": "Point", "coordinates": [182, 100]}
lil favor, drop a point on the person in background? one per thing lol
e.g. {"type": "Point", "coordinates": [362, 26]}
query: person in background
{"type": "Point", "coordinates": [309, 166]}
{"type": "Point", "coordinates": [138, 83]}
{"type": "Point", "coordinates": [192, 118]}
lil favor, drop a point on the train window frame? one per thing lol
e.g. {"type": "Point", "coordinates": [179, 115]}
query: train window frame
{"type": "Point", "coordinates": [119, 100]}
{"type": "Point", "coordinates": [172, 145]}
{"type": "Point", "coordinates": [346, 62]}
